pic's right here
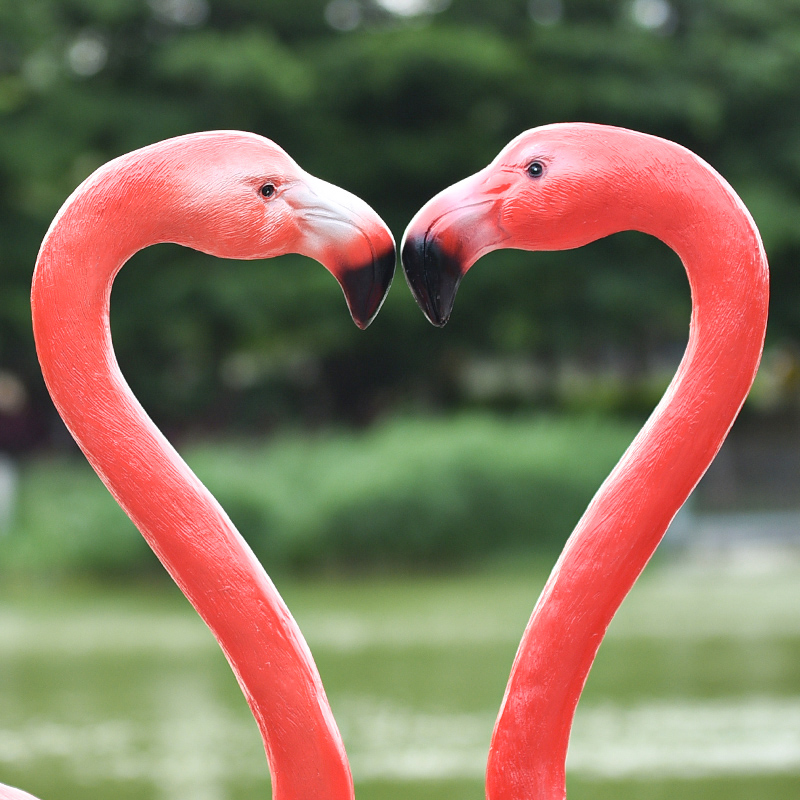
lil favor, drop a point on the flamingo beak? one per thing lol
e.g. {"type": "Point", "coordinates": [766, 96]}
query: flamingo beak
{"type": "Point", "coordinates": [350, 240]}
{"type": "Point", "coordinates": [365, 287]}
{"type": "Point", "coordinates": [446, 237]}
{"type": "Point", "coordinates": [432, 274]}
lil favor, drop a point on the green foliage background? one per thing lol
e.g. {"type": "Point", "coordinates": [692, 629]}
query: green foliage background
{"type": "Point", "coordinates": [394, 109]}
{"type": "Point", "coordinates": [411, 494]}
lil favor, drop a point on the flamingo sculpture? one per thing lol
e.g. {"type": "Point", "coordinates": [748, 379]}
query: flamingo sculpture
{"type": "Point", "coordinates": [559, 187]}
{"type": "Point", "coordinates": [234, 195]}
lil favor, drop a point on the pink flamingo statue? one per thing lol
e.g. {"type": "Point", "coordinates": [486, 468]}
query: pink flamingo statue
{"type": "Point", "coordinates": [234, 195]}
{"type": "Point", "coordinates": [559, 187]}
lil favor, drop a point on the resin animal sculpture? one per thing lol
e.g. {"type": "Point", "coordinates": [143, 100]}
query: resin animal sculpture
{"type": "Point", "coordinates": [234, 195]}
{"type": "Point", "coordinates": [560, 187]}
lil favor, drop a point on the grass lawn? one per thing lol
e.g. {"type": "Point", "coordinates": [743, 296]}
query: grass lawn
{"type": "Point", "coordinates": [121, 692]}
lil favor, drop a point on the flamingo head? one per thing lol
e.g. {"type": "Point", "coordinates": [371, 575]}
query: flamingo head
{"type": "Point", "coordinates": [548, 189]}
{"type": "Point", "coordinates": [238, 195]}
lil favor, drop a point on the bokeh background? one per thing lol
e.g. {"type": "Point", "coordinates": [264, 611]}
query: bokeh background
{"type": "Point", "coordinates": [406, 486]}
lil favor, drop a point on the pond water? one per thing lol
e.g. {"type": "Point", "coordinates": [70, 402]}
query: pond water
{"type": "Point", "coordinates": [695, 693]}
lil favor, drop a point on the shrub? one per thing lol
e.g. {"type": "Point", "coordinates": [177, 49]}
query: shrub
{"type": "Point", "coordinates": [411, 493]}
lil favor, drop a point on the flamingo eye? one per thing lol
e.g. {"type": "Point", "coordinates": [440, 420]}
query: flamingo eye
{"type": "Point", "coordinates": [267, 190]}
{"type": "Point", "coordinates": [536, 169]}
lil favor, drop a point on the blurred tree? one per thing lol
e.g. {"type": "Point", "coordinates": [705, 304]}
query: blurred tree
{"type": "Point", "coordinates": [392, 99]}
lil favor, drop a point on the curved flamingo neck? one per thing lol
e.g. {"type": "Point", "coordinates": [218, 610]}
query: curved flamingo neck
{"type": "Point", "coordinates": [127, 207]}
{"type": "Point", "coordinates": [701, 218]}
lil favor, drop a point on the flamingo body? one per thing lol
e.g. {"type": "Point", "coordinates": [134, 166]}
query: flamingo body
{"type": "Point", "coordinates": [234, 195]}
{"type": "Point", "coordinates": [563, 186]}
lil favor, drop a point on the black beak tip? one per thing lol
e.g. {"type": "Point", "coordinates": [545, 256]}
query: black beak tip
{"type": "Point", "coordinates": [436, 319]}
{"type": "Point", "coordinates": [365, 287]}
{"type": "Point", "coordinates": [433, 277]}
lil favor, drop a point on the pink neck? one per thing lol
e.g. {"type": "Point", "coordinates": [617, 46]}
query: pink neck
{"type": "Point", "coordinates": [706, 224]}
{"type": "Point", "coordinates": [102, 225]}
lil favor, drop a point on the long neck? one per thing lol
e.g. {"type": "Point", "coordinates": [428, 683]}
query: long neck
{"type": "Point", "coordinates": [103, 224]}
{"type": "Point", "coordinates": [706, 224]}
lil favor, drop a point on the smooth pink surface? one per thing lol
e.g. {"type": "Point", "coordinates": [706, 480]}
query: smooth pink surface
{"type": "Point", "coordinates": [9, 793]}
{"type": "Point", "coordinates": [201, 191]}
{"type": "Point", "coordinates": [596, 181]}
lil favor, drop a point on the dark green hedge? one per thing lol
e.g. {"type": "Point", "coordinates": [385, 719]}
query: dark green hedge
{"type": "Point", "coordinates": [408, 494]}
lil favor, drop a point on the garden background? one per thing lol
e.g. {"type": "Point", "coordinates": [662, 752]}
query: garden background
{"type": "Point", "coordinates": [374, 472]}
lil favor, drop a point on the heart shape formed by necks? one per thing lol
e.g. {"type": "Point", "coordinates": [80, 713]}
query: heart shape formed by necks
{"type": "Point", "coordinates": [234, 195]}
{"type": "Point", "coordinates": [559, 187]}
